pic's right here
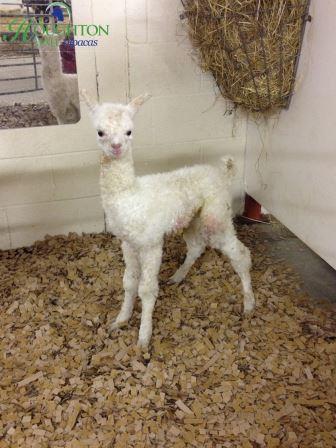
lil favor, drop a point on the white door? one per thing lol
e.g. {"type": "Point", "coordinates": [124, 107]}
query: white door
{"type": "Point", "coordinates": [291, 162]}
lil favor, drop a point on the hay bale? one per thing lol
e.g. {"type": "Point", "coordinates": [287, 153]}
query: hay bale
{"type": "Point", "coordinates": [250, 46]}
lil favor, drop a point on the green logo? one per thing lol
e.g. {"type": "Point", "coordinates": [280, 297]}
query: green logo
{"type": "Point", "coordinates": [28, 28]}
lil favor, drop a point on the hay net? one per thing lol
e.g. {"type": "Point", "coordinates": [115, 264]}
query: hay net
{"type": "Point", "coordinates": [250, 46]}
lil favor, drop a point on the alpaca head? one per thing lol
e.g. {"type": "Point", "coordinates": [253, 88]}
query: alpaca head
{"type": "Point", "coordinates": [114, 124]}
{"type": "Point", "coordinates": [46, 39]}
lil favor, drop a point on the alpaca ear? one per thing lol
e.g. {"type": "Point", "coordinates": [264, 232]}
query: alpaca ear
{"type": "Point", "coordinates": [91, 104]}
{"type": "Point", "coordinates": [38, 31]}
{"type": "Point", "coordinates": [135, 104]}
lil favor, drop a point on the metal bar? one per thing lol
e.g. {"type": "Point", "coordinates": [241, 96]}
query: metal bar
{"type": "Point", "coordinates": [6, 23]}
{"type": "Point", "coordinates": [18, 65]}
{"type": "Point", "coordinates": [265, 63]}
{"type": "Point", "coordinates": [32, 47]}
{"type": "Point", "coordinates": [29, 14]}
{"type": "Point", "coordinates": [35, 70]}
{"type": "Point", "coordinates": [20, 91]}
{"type": "Point", "coordinates": [305, 19]}
{"type": "Point", "coordinates": [281, 63]}
{"type": "Point", "coordinates": [224, 87]}
{"type": "Point", "coordinates": [25, 52]}
{"type": "Point", "coordinates": [253, 39]}
{"type": "Point", "coordinates": [16, 79]}
{"type": "Point", "coordinates": [251, 12]}
{"type": "Point", "coordinates": [29, 4]}
{"type": "Point", "coordinates": [266, 71]}
{"type": "Point", "coordinates": [32, 51]}
{"type": "Point", "coordinates": [23, 4]}
{"type": "Point", "coordinates": [249, 65]}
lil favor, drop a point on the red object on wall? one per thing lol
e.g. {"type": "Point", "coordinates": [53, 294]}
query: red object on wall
{"type": "Point", "coordinates": [68, 56]}
{"type": "Point", "coordinates": [252, 209]}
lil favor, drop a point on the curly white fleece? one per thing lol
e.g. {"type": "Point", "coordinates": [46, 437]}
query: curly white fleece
{"type": "Point", "coordinates": [61, 88]}
{"type": "Point", "coordinates": [142, 210]}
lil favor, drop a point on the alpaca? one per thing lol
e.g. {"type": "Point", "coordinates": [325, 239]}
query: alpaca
{"type": "Point", "coordinates": [142, 210]}
{"type": "Point", "coordinates": [61, 89]}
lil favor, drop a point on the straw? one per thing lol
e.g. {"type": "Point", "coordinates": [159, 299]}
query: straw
{"type": "Point", "coordinates": [250, 46]}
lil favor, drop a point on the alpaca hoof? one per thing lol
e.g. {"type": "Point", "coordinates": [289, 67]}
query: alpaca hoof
{"type": "Point", "coordinates": [117, 324]}
{"type": "Point", "coordinates": [175, 279]}
{"type": "Point", "coordinates": [249, 308]}
{"type": "Point", "coordinates": [143, 345]}
{"type": "Point", "coordinates": [171, 281]}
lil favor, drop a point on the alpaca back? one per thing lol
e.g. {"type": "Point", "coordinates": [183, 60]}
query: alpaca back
{"type": "Point", "coordinates": [162, 203]}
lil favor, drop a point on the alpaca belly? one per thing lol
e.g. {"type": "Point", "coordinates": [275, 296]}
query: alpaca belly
{"type": "Point", "coordinates": [180, 223]}
{"type": "Point", "coordinates": [183, 219]}
{"type": "Point", "coordinates": [185, 211]}
{"type": "Point", "coordinates": [211, 224]}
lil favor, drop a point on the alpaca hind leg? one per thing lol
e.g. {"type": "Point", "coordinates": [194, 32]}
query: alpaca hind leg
{"type": "Point", "coordinates": [195, 245]}
{"type": "Point", "coordinates": [240, 258]}
{"type": "Point", "coordinates": [131, 283]}
{"type": "Point", "coordinates": [150, 261]}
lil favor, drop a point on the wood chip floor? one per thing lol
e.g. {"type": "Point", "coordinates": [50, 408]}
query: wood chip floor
{"type": "Point", "coordinates": [212, 378]}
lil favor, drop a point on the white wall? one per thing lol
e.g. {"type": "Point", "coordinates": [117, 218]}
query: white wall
{"type": "Point", "coordinates": [184, 122]}
{"type": "Point", "coordinates": [291, 162]}
{"type": "Point", "coordinates": [49, 175]}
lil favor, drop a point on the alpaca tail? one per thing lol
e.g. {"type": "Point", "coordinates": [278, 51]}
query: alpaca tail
{"type": "Point", "coordinates": [228, 167]}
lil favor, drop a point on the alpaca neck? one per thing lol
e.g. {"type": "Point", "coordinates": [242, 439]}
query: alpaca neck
{"type": "Point", "coordinates": [51, 62]}
{"type": "Point", "coordinates": [117, 175]}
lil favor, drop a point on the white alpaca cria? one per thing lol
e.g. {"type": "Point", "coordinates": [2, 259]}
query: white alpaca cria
{"type": "Point", "coordinates": [61, 89]}
{"type": "Point", "coordinates": [142, 210]}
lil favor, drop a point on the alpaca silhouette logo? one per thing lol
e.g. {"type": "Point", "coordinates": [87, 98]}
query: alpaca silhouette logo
{"type": "Point", "coordinates": [57, 10]}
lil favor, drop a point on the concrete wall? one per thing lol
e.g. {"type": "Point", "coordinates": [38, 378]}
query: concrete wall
{"type": "Point", "coordinates": [291, 162]}
{"type": "Point", "coordinates": [49, 176]}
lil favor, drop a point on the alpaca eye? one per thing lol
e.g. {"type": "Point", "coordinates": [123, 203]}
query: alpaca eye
{"type": "Point", "coordinates": [129, 133]}
{"type": "Point", "coordinates": [101, 133]}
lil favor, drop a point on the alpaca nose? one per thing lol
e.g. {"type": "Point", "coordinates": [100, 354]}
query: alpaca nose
{"type": "Point", "coordinates": [116, 146]}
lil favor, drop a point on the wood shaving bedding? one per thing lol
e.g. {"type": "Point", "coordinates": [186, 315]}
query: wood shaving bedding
{"type": "Point", "coordinates": [213, 378]}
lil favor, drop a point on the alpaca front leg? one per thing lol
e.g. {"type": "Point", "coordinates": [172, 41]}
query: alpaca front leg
{"type": "Point", "coordinates": [131, 283]}
{"type": "Point", "coordinates": [150, 261]}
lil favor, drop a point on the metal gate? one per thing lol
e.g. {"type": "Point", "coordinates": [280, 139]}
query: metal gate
{"type": "Point", "coordinates": [19, 60]}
